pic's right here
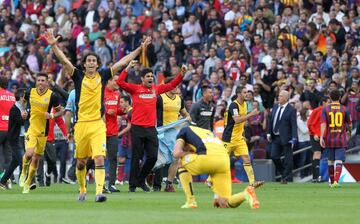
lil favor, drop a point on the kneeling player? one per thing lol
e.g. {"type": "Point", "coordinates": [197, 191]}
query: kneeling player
{"type": "Point", "coordinates": [201, 152]}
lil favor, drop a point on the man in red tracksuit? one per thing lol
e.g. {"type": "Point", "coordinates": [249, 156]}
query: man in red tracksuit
{"type": "Point", "coordinates": [314, 132]}
{"type": "Point", "coordinates": [112, 109]}
{"type": "Point", "coordinates": [143, 122]}
{"type": "Point", "coordinates": [7, 100]}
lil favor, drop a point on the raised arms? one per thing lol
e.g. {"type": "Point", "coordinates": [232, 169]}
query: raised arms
{"type": "Point", "coordinates": [50, 38]}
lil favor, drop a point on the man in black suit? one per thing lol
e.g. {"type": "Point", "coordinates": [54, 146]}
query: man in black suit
{"type": "Point", "coordinates": [282, 133]}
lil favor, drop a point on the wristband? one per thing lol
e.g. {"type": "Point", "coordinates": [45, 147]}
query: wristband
{"type": "Point", "coordinates": [51, 116]}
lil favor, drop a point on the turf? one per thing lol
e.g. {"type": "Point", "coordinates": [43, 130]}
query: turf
{"type": "Point", "coordinates": [292, 203]}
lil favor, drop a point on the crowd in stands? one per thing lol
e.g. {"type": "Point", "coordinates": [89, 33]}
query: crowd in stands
{"type": "Point", "coordinates": [307, 47]}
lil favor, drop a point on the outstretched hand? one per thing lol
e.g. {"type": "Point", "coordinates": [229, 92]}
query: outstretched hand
{"type": "Point", "coordinates": [49, 36]}
{"type": "Point", "coordinates": [131, 65]}
{"type": "Point", "coordinates": [184, 69]}
{"type": "Point", "coordinates": [146, 42]}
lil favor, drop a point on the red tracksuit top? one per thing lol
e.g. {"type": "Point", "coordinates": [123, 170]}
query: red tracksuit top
{"type": "Point", "coordinates": [60, 123]}
{"type": "Point", "coordinates": [144, 99]}
{"type": "Point", "coordinates": [7, 100]}
{"type": "Point", "coordinates": [314, 122]}
{"type": "Point", "coordinates": [112, 101]}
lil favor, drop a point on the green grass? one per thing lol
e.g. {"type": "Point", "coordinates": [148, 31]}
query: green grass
{"type": "Point", "coordinates": [292, 203]}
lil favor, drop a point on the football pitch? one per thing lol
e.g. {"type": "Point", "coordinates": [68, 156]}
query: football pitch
{"type": "Point", "coordinates": [292, 203]}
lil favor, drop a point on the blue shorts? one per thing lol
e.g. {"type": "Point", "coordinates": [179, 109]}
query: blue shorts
{"type": "Point", "coordinates": [124, 151]}
{"type": "Point", "coordinates": [333, 154]}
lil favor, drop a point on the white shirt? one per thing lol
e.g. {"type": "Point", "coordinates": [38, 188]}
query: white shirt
{"type": "Point", "coordinates": [302, 130]}
{"type": "Point", "coordinates": [277, 114]}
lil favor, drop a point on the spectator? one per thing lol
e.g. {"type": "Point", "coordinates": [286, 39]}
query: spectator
{"type": "Point", "coordinates": [311, 94]}
{"type": "Point", "coordinates": [192, 32]}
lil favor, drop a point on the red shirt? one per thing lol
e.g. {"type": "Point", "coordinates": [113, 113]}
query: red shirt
{"type": "Point", "coordinates": [144, 99]}
{"type": "Point", "coordinates": [60, 123]}
{"type": "Point", "coordinates": [337, 118]}
{"type": "Point", "coordinates": [7, 100]}
{"type": "Point", "coordinates": [112, 102]}
{"type": "Point", "coordinates": [314, 122]}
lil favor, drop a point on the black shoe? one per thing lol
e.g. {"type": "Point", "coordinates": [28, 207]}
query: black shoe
{"type": "Point", "coordinates": [156, 189]}
{"type": "Point", "coordinates": [106, 191]}
{"type": "Point", "coordinates": [132, 189]}
{"type": "Point", "coordinates": [113, 189]}
{"type": "Point", "coordinates": [144, 187]}
{"type": "Point", "coordinates": [4, 187]}
{"type": "Point", "coordinates": [283, 181]}
{"type": "Point", "coordinates": [33, 186]}
{"type": "Point", "coordinates": [47, 179]}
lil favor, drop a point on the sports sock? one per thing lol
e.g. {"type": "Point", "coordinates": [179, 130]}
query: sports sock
{"type": "Point", "coordinates": [30, 176]}
{"type": "Point", "coordinates": [81, 177]}
{"type": "Point", "coordinates": [120, 170]}
{"type": "Point", "coordinates": [233, 173]}
{"type": "Point", "coordinates": [99, 178]}
{"type": "Point", "coordinates": [338, 169]}
{"type": "Point", "coordinates": [236, 200]}
{"type": "Point", "coordinates": [249, 172]}
{"type": "Point", "coordinates": [315, 168]}
{"type": "Point", "coordinates": [186, 183]}
{"type": "Point", "coordinates": [331, 173]}
{"type": "Point", "coordinates": [25, 165]}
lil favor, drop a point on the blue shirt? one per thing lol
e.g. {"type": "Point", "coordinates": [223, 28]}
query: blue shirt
{"type": "Point", "coordinates": [70, 104]}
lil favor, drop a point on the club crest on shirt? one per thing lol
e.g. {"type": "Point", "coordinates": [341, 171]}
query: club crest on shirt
{"type": "Point", "coordinates": [104, 146]}
{"type": "Point", "coordinates": [46, 99]}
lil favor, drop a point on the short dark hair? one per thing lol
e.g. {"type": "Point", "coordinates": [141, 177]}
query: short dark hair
{"type": "Point", "coordinates": [145, 71]}
{"type": "Point", "coordinates": [42, 74]}
{"type": "Point", "coordinates": [83, 61]}
{"type": "Point", "coordinates": [239, 89]}
{"type": "Point", "coordinates": [126, 98]}
{"type": "Point", "coordinates": [335, 95]}
{"type": "Point", "coordinates": [204, 88]}
{"type": "Point", "coordinates": [3, 82]}
{"type": "Point", "coordinates": [20, 93]}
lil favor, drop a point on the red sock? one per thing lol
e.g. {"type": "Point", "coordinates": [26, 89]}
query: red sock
{"type": "Point", "coordinates": [233, 173]}
{"type": "Point", "coordinates": [331, 173]}
{"type": "Point", "coordinates": [338, 169]}
{"type": "Point", "coordinates": [120, 170]}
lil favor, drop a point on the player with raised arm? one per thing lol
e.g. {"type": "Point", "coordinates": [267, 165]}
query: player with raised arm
{"type": "Point", "coordinates": [90, 129]}
{"type": "Point", "coordinates": [335, 126]}
{"type": "Point", "coordinates": [143, 122]}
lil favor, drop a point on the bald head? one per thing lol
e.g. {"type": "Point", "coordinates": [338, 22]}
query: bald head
{"type": "Point", "coordinates": [283, 97]}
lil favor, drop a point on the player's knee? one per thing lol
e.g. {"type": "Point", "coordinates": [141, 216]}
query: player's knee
{"type": "Point", "coordinates": [80, 164]}
{"type": "Point", "coordinates": [99, 160]}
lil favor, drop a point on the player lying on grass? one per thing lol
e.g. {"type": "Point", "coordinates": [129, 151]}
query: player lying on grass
{"type": "Point", "coordinates": [201, 152]}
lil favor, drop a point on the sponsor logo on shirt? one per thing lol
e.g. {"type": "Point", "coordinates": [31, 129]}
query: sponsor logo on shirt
{"type": "Point", "coordinates": [111, 102]}
{"type": "Point", "coordinates": [205, 113]}
{"type": "Point", "coordinates": [144, 95]}
{"type": "Point", "coordinates": [7, 98]}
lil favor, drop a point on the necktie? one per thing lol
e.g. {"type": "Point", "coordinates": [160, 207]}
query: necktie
{"type": "Point", "coordinates": [276, 127]}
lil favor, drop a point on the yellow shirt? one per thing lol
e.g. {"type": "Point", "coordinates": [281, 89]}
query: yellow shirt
{"type": "Point", "coordinates": [89, 91]}
{"type": "Point", "coordinates": [39, 105]}
{"type": "Point", "coordinates": [234, 132]}
{"type": "Point", "coordinates": [202, 141]}
{"type": "Point", "coordinates": [168, 109]}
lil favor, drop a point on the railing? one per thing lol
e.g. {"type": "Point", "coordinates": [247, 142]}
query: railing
{"type": "Point", "coordinates": [356, 148]}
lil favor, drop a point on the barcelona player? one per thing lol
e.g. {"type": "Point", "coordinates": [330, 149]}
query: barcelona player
{"type": "Point", "coordinates": [233, 135]}
{"type": "Point", "coordinates": [41, 99]}
{"type": "Point", "coordinates": [90, 129]}
{"type": "Point", "coordinates": [335, 126]}
{"type": "Point", "coordinates": [201, 152]}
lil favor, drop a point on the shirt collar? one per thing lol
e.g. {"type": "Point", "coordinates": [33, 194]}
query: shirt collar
{"type": "Point", "coordinates": [284, 105]}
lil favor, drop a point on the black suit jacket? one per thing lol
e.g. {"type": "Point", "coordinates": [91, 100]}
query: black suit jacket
{"type": "Point", "coordinates": [287, 126]}
{"type": "Point", "coordinates": [281, 8]}
{"type": "Point", "coordinates": [15, 123]}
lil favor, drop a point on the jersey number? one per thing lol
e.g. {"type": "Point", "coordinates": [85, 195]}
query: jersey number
{"type": "Point", "coordinates": [336, 119]}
